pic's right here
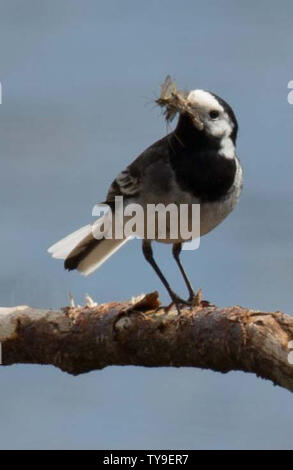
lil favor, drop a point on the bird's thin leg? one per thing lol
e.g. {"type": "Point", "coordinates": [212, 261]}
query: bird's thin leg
{"type": "Point", "coordinates": [177, 247]}
{"type": "Point", "coordinates": [148, 254]}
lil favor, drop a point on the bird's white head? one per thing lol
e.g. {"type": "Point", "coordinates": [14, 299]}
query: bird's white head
{"type": "Point", "coordinates": [215, 114]}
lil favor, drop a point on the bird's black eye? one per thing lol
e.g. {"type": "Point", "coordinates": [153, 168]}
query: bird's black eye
{"type": "Point", "coordinates": [214, 114]}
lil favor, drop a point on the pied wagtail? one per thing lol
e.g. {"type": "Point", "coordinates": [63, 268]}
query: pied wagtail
{"type": "Point", "coordinates": [194, 164]}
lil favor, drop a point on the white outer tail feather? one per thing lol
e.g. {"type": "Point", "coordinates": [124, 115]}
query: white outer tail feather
{"type": "Point", "coordinates": [104, 249]}
{"type": "Point", "coordinates": [61, 249]}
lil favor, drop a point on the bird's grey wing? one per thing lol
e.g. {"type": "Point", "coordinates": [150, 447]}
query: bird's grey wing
{"type": "Point", "coordinates": [129, 182]}
{"type": "Point", "coordinates": [126, 184]}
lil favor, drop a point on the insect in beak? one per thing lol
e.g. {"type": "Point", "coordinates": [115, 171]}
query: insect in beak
{"type": "Point", "coordinates": [175, 101]}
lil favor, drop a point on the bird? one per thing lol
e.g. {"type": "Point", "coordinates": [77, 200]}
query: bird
{"type": "Point", "coordinates": [196, 163]}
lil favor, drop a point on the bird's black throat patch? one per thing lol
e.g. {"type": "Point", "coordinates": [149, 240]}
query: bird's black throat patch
{"type": "Point", "coordinates": [197, 163]}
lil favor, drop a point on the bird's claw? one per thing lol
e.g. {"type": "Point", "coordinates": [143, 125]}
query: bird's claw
{"type": "Point", "coordinates": [194, 300]}
{"type": "Point", "coordinates": [166, 308]}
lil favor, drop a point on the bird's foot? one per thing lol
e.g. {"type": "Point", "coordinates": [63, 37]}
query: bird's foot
{"type": "Point", "coordinates": [176, 301]}
{"type": "Point", "coordinates": [195, 299]}
{"type": "Point", "coordinates": [179, 302]}
{"type": "Point", "coordinates": [166, 308]}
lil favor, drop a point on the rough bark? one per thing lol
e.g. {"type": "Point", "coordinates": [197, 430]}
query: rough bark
{"type": "Point", "coordinates": [81, 339]}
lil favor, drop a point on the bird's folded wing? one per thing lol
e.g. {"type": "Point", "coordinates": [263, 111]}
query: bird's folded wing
{"type": "Point", "coordinates": [125, 184]}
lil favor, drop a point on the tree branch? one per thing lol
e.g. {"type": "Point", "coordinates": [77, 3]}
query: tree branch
{"type": "Point", "coordinates": [81, 339]}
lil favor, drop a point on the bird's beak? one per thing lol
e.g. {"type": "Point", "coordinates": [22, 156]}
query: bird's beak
{"type": "Point", "coordinates": [191, 109]}
{"type": "Point", "coordinates": [195, 116]}
{"type": "Point", "coordinates": [175, 101]}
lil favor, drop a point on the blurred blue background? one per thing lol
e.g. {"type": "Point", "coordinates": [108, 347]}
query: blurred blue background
{"type": "Point", "coordinates": [79, 80]}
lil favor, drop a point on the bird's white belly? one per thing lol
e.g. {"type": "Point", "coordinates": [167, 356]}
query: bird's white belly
{"type": "Point", "coordinates": [213, 213]}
